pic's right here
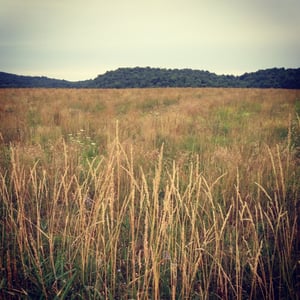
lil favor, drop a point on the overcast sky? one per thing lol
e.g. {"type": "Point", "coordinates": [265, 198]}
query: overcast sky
{"type": "Point", "coordinates": [79, 39]}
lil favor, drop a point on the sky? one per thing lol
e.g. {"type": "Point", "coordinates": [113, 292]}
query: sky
{"type": "Point", "coordinates": [80, 39]}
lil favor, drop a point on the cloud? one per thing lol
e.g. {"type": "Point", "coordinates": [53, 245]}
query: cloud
{"type": "Point", "coordinates": [97, 34]}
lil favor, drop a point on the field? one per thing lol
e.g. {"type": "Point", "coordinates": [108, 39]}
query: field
{"type": "Point", "coordinates": [149, 194]}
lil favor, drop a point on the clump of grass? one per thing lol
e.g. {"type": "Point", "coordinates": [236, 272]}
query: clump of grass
{"type": "Point", "coordinates": [123, 107]}
{"type": "Point", "coordinates": [148, 105]}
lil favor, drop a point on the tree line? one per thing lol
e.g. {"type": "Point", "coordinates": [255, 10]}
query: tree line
{"type": "Point", "coordinates": [156, 77]}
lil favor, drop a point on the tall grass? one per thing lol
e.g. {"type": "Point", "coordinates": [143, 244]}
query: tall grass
{"type": "Point", "coordinates": [172, 201]}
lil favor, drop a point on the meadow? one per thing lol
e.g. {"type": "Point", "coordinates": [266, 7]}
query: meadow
{"type": "Point", "coordinates": [149, 194]}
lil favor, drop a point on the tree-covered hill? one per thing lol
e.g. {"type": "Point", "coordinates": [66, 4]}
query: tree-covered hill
{"type": "Point", "coordinates": [8, 80]}
{"type": "Point", "coordinates": [275, 78]}
{"type": "Point", "coordinates": [155, 77]}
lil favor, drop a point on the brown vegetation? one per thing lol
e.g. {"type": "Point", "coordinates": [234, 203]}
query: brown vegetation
{"type": "Point", "coordinates": [149, 193]}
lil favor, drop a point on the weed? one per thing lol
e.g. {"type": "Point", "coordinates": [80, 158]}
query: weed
{"type": "Point", "coordinates": [87, 148]}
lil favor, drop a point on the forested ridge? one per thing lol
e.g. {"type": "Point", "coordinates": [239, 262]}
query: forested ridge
{"type": "Point", "coordinates": [147, 77]}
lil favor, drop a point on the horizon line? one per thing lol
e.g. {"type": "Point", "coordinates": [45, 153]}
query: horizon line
{"type": "Point", "coordinates": [139, 67]}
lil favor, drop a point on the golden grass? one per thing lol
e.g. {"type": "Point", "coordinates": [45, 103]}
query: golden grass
{"type": "Point", "coordinates": [149, 194]}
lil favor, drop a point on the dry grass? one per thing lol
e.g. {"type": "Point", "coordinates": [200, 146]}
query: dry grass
{"type": "Point", "coordinates": [149, 194]}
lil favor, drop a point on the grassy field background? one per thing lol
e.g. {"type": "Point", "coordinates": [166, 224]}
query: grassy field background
{"type": "Point", "coordinates": [149, 194]}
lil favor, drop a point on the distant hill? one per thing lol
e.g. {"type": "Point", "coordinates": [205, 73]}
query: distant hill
{"type": "Point", "coordinates": [18, 81]}
{"type": "Point", "coordinates": [8, 80]}
{"type": "Point", "coordinates": [156, 77]}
